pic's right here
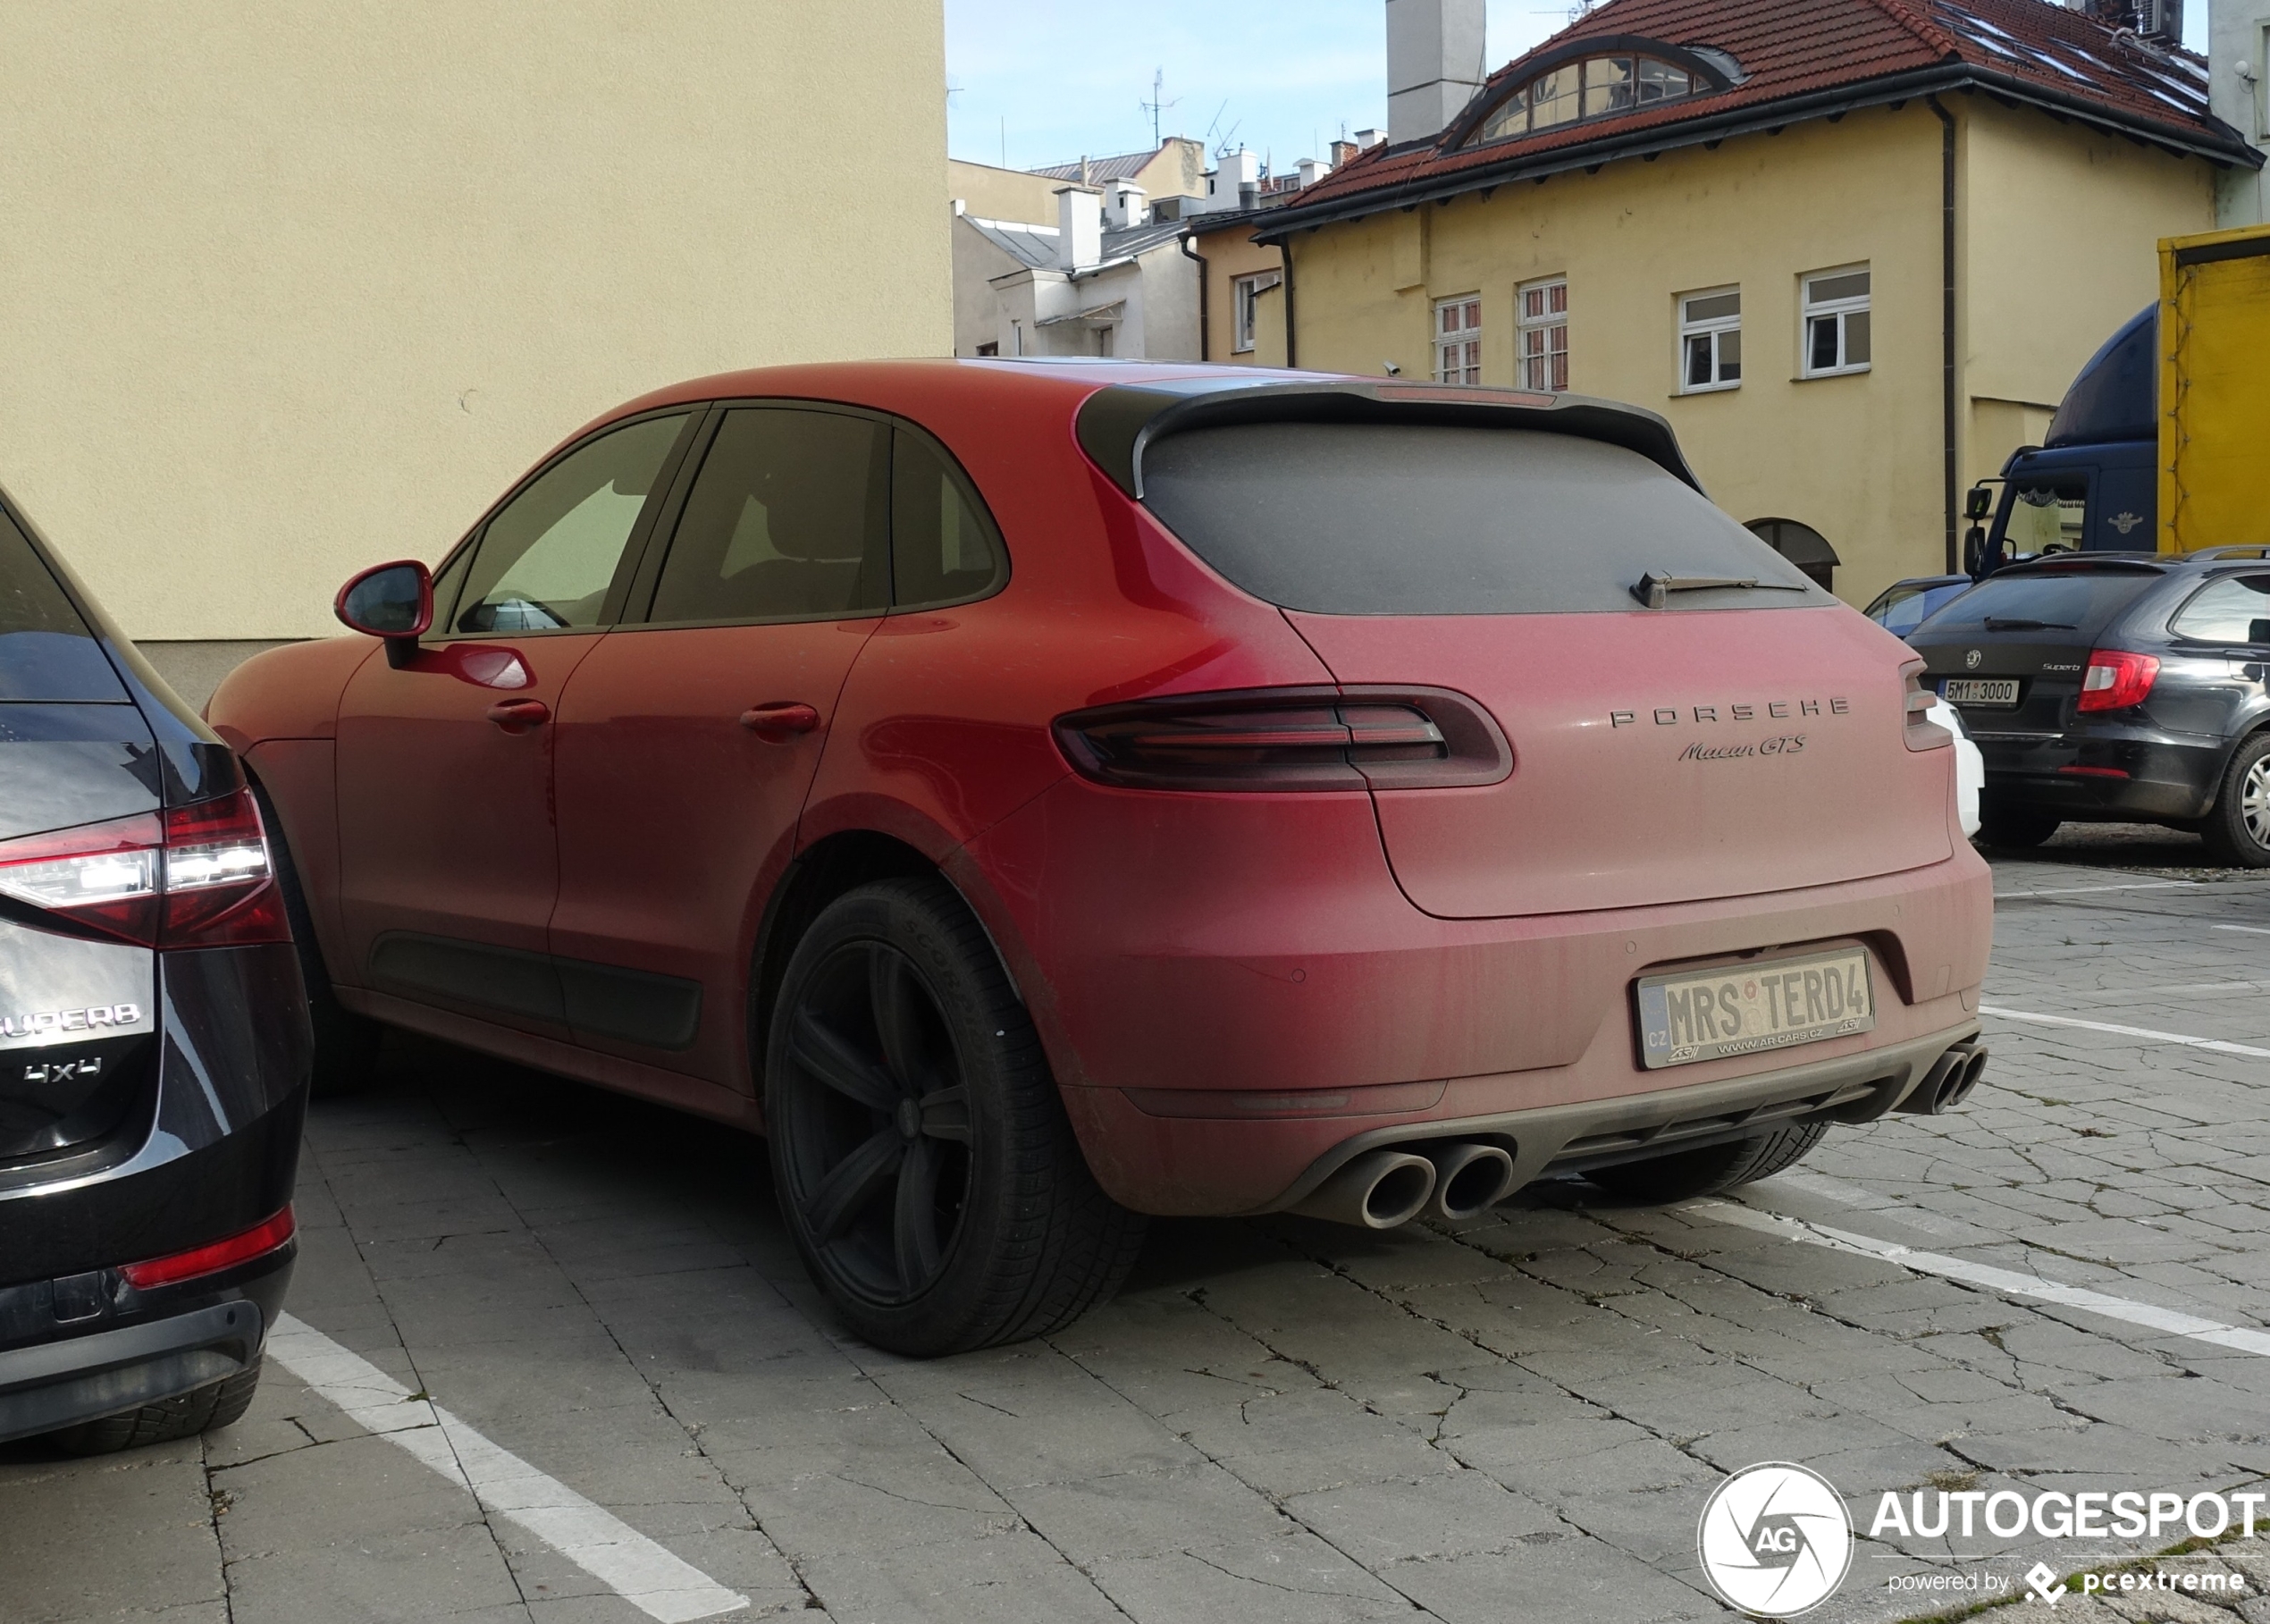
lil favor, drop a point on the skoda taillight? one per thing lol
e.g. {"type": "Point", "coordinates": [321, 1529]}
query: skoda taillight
{"type": "Point", "coordinates": [2116, 679]}
{"type": "Point", "coordinates": [1289, 739]}
{"type": "Point", "coordinates": [191, 877]}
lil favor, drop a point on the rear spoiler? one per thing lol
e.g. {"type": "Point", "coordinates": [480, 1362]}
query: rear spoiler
{"type": "Point", "coordinates": [1118, 424]}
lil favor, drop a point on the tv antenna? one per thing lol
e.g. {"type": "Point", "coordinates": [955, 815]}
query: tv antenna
{"type": "Point", "coordinates": [1155, 106]}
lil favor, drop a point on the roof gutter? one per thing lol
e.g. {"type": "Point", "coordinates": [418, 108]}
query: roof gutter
{"type": "Point", "coordinates": [1938, 79]}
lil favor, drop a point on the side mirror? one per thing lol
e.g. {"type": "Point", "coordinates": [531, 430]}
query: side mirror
{"type": "Point", "coordinates": [1978, 503]}
{"type": "Point", "coordinates": [389, 601]}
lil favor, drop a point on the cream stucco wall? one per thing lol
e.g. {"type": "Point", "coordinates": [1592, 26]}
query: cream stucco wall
{"type": "Point", "coordinates": [1230, 253]}
{"type": "Point", "coordinates": [1002, 194]}
{"type": "Point", "coordinates": [292, 286]}
{"type": "Point", "coordinates": [2041, 289]}
{"type": "Point", "coordinates": [1857, 457]}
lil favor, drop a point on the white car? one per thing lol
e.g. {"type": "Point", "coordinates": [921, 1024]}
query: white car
{"type": "Point", "coordinates": [1969, 765]}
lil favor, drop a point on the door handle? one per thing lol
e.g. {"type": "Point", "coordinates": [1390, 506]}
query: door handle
{"type": "Point", "coordinates": [519, 715]}
{"type": "Point", "coordinates": [780, 721]}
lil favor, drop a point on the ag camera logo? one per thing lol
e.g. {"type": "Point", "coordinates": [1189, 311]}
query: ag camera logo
{"type": "Point", "coordinates": [1775, 1540]}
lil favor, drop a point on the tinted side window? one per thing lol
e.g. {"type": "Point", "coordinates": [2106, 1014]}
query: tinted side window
{"type": "Point", "coordinates": [46, 652]}
{"type": "Point", "coordinates": [548, 558]}
{"type": "Point", "coordinates": [786, 521]}
{"type": "Point", "coordinates": [1409, 520]}
{"type": "Point", "coordinates": [2228, 611]}
{"type": "Point", "coordinates": [944, 547]}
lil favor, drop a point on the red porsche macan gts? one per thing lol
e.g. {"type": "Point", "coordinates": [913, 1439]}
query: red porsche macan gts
{"type": "Point", "coordinates": [1037, 795]}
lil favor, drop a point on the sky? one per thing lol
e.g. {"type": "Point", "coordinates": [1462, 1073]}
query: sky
{"type": "Point", "coordinates": [1047, 81]}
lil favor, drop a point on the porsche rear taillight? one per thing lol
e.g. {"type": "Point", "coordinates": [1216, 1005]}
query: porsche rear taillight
{"type": "Point", "coordinates": [1922, 732]}
{"type": "Point", "coordinates": [1305, 738]}
{"type": "Point", "coordinates": [190, 877]}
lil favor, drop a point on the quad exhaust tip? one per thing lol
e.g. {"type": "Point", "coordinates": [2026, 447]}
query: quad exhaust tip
{"type": "Point", "coordinates": [1468, 1179]}
{"type": "Point", "coordinates": [1378, 1189]}
{"type": "Point", "coordinates": [1949, 1081]}
{"type": "Point", "coordinates": [1387, 1188]}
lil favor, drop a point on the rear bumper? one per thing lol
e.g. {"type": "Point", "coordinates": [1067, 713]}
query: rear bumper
{"type": "Point", "coordinates": [136, 1349]}
{"type": "Point", "coordinates": [2116, 773]}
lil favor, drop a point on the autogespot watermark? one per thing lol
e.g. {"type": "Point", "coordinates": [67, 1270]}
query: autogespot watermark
{"type": "Point", "coordinates": [1776, 1540]}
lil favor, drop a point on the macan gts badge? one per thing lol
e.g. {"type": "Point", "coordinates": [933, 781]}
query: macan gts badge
{"type": "Point", "coordinates": [1034, 797]}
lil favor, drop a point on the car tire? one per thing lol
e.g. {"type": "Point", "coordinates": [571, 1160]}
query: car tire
{"type": "Point", "coordinates": [1684, 1174]}
{"type": "Point", "coordinates": [345, 1053]}
{"type": "Point", "coordinates": [2237, 830]}
{"type": "Point", "coordinates": [2016, 829]}
{"type": "Point", "coordinates": [922, 1157]}
{"type": "Point", "coordinates": [205, 1408]}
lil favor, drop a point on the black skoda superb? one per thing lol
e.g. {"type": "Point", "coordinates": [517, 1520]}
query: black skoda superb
{"type": "Point", "coordinates": [154, 1039]}
{"type": "Point", "coordinates": [2129, 687]}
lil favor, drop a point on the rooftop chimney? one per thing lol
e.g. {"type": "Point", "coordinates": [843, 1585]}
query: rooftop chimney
{"type": "Point", "coordinates": [1080, 228]}
{"type": "Point", "coordinates": [1366, 139]}
{"type": "Point", "coordinates": [1125, 204]}
{"type": "Point", "coordinates": [1435, 51]}
{"type": "Point", "coordinates": [1342, 152]}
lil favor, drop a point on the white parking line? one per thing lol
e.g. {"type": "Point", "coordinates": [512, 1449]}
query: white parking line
{"type": "Point", "coordinates": [640, 1571]}
{"type": "Point", "coordinates": [2243, 1339]}
{"type": "Point", "coordinates": [2142, 885]}
{"type": "Point", "coordinates": [2215, 1044]}
{"type": "Point", "coordinates": [2248, 929]}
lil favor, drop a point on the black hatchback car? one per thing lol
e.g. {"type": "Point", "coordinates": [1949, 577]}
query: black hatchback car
{"type": "Point", "coordinates": [154, 1039]}
{"type": "Point", "coordinates": [2123, 687]}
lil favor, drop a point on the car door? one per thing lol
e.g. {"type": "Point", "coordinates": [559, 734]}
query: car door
{"type": "Point", "coordinates": [687, 740]}
{"type": "Point", "coordinates": [448, 860]}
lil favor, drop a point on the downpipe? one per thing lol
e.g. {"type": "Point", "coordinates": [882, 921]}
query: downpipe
{"type": "Point", "coordinates": [1949, 1081]}
{"type": "Point", "coordinates": [1378, 1189]}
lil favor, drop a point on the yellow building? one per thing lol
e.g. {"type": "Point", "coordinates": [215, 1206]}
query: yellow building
{"type": "Point", "coordinates": [292, 288]}
{"type": "Point", "coordinates": [1854, 252]}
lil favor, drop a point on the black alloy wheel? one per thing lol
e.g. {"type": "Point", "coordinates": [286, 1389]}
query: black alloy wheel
{"type": "Point", "coordinates": [923, 1163]}
{"type": "Point", "coordinates": [881, 1149]}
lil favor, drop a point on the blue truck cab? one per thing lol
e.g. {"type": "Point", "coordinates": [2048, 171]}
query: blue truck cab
{"type": "Point", "coordinates": [2095, 486]}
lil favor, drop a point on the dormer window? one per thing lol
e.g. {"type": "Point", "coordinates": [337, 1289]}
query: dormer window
{"type": "Point", "coordinates": [1590, 87]}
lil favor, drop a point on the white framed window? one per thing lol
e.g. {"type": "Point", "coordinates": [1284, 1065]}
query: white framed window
{"type": "Point", "coordinates": [1457, 339]}
{"type": "Point", "coordinates": [1245, 297]}
{"type": "Point", "coordinates": [1543, 337]}
{"type": "Point", "coordinates": [1836, 338]}
{"type": "Point", "coordinates": [1710, 340]}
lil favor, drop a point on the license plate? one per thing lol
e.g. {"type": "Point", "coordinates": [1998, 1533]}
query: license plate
{"type": "Point", "coordinates": [1980, 690]}
{"type": "Point", "coordinates": [1695, 1015]}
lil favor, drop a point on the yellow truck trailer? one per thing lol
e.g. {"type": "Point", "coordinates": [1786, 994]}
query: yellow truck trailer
{"type": "Point", "coordinates": [2215, 390]}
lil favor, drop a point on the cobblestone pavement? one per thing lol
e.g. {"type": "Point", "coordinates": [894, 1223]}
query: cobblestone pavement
{"type": "Point", "coordinates": [1517, 1419]}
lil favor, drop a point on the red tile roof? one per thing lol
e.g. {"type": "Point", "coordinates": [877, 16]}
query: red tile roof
{"type": "Point", "coordinates": [1802, 58]}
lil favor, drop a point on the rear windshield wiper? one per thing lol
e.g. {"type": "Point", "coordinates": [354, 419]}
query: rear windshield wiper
{"type": "Point", "coordinates": [2000, 623]}
{"type": "Point", "coordinates": [1654, 590]}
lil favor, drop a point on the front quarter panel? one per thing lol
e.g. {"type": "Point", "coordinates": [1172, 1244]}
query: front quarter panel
{"type": "Point", "coordinates": [288, 693]}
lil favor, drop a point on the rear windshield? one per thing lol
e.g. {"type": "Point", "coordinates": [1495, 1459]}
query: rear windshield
{"type": "Point", "coordinates": [1389, 519]}
{"type": "Point", "coordinates": [2079, 600]}
{"type": "Point", "coordinates": [46, 652]}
